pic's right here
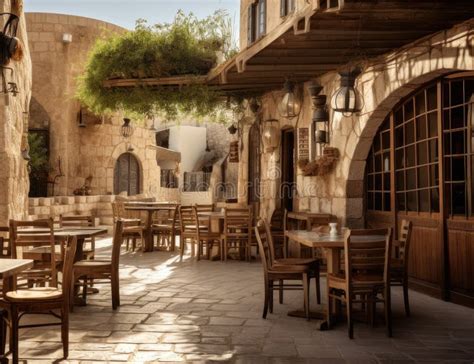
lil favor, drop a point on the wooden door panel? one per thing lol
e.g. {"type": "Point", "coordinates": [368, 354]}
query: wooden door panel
{"type": "Point", "coordinates": [461, 256]}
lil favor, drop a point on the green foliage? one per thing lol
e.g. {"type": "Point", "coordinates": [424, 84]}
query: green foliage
{"type": "Point", "coordinates": [39, 162]}
{"type": "Point", "coordinates": [187, 46]}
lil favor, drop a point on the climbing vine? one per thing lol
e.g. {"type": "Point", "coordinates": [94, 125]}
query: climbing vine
{"type": "Point", "coordinates": [186, 47]}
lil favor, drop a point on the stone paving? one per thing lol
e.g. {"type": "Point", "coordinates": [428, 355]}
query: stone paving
{"type": "Point", "coordinates": [211, 311]}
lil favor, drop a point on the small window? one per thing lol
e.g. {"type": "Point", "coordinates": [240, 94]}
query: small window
{"type": "Point", "coordinates": [168, 178]}
{"type": "Point", "coordinates": [286, 7]}
{"type": "Point", "coordinates": [257, 20]}
{"type": "Point", "coordinates": [163, 138]}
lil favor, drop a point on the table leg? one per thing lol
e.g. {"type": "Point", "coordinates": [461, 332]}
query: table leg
{"type": "Point", "coordinates": [148, 233]}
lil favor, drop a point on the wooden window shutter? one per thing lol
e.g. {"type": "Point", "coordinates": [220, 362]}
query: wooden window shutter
{"type": "Point", "coordinates": [251, 24]}
{"type": "Point", "coordinates": [283, 10]}
{"type": "Point", "coordinates": [262, 17]}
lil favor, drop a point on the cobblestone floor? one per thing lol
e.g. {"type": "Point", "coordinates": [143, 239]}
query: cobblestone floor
{"type": "Point", "coordinates": [211, 311]}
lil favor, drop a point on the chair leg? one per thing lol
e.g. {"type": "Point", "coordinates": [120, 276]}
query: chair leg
{"type": "Point", "coordinates": [280, 292]}
{"type": "Point", "coordinates": [3, 331]}
{"type": "Point", "coordinates": [306, 295]}
{"type": "Point", "coordinates": [114, 281]}
{"type": "Point", "coordinates": [14, 333]}
{"type": "Point", "coordinates": [270, 298]}
{"type": "Point", "coordinates": [328, 311]}
{"type": "Point", "coordinates": [405, 297]}
{"type": "Point", "coordinates": [65, 331]}
{"type": "Point", "coordinates": [318, 287]}
{"type": "Point", "coordinates": [350, 323]}
{"type": "Point", "coordinates": [226, 249]}
{"type": "Point", "coordinates": [388, 310]}
{"type": "Point", "coordinates": [266, 299]}
{"type": "Point", "coordinates": [182, 246]}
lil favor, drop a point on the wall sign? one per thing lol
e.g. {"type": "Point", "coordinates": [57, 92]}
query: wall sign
{"type": "Point", "coordinates": [303, 143]}
{"type": "Point", "coordinates": [234, 152]}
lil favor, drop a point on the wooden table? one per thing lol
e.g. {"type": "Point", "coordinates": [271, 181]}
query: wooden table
{"type": "Point", "coordinates": [9, 268]}
{"type": "Point", "coordinates": [61, 234]}
{"type": "Point", "coordinates": [150, 209]}
{"type": "Point", "coordinates": [309, 218]}
{"type": "Point", "coordinates": [333, 244]}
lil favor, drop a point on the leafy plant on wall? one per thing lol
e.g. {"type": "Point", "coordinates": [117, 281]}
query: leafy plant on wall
{"type": "Point", "coordinates": [187, 47]}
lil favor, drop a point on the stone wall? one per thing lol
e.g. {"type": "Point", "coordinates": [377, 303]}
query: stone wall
{"type": "Point", "coordinates": [13, 168]}
{"type": "Point", "coordinates": [383, 84]}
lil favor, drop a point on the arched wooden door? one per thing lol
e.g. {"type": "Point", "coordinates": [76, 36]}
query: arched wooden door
{"type": "Point", "coordinates": [127, 175]}
{"type": "Point", "coordinates": [421, 168]}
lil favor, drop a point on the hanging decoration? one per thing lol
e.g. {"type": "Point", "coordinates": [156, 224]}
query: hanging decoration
{"type": "Point", "coordinates": [271, 135]}
{"type": "Point", "coordinates": [347, 99]}
{"type": "Point", "coordinates": [127, 129]}
{"type": "Point", "coordinates": [232, 129]}
{"type": "Point", "coordinates": [8, 86]}
{"type": "Point", "coordinates": [320, 116]}
{"type": "Point", "coordinates": [290, 105]}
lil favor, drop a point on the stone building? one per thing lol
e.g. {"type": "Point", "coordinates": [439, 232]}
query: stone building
{"type": "Point", "coordinates": [84, 148]}
{"type": "Point", "coordinates": [13, 108]}
{"type": "Point", "coordinates": [407, 154]}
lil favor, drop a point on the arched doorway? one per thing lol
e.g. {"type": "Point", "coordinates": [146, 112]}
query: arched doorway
{"type": "Point", "coordinates": [421, 168]}
{"type": "Point", "coordinates": [127, 175]}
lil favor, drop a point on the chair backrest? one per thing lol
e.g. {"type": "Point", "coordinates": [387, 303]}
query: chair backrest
{"type": "Point", "coordinates": [117, 242]}
{"type": "Point", "coordinates": [404, 241]}
{"type": "Point", "coordinates": [188, 220]}
{"type": "Point", "coordinates": [5, 246]}
{"type": "Point", "coordinates": [42, 238]}
{"type": "Point", "coordinates": [69, 254]}
{"type": "Point", "coordinates": [277, 221]}
{"type": "Point", "coordinates": [265, 244]}
{"type": "Point", "coordinates": [118, 210]}
{"type": "Point", "coordinates": [367, 252]}
{"type": "Point", "coordinates": [205, 208]}
{"type": "Point", "coordinates": [76, 220]}
{"type": "Point", "coordinates": [238, 222]}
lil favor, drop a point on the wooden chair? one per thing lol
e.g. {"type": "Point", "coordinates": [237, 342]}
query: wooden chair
{"type": "Point", "coordinates": [277, 228]}
{"type": "Point", "coordinates": [366, 275]}
{"type": "Point", "coordinates": [166, 228]}
{"type": "Point", "coordinates": [399, 264]}
{"type": "Point", "coordinates": [81, 221]}
{"type": "Point", "coordinates": [44, 300]}
{"type": "Point", "coordinates": [37, 246]}
{"type": "Point", "coordinates": [5, 247]}
{"type": "Point", "coordinates": [102, 269]}
{"type": "Point", "coordinates": [275, 271]}
{"type": "Point", "coordinates": [133, 228]}
{"type": "Point", "coordinates": [196, 233]}
{"type": "Point", "coordinates": [237, 231]}
{"type": "Point", "coordinates": [205, 207]}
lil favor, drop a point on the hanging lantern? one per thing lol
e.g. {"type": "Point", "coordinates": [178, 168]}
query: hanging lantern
{"type": "Point", "coordinates": [320, 117]}
{"type": "Point", "coordinates": [127, 129]}
{"type": "Point", "coordinates": [289, 106]}
{"type": "Point", "coordinates": [348, 99]}
{"type": "Point", "coordinates": [271, 135]}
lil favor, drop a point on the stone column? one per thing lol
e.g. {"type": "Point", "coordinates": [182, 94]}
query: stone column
{"type": "Point", "coordinates": [14, 179]}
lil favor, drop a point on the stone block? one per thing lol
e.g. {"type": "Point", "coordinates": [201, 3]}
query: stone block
{"type": "Point", "coordinates": [33, 201]}
{"type": "Point", "coordinates": [45, 201]}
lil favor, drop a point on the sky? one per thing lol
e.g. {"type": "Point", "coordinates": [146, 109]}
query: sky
{"type": "Point", "coordinates": [126, 12]}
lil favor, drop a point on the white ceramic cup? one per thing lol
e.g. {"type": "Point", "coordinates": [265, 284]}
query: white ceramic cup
{"type": "Point", "coordinates": [333, 226]}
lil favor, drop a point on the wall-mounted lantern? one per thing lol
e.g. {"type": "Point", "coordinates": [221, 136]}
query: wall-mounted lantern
{"type": "Point", "coordinates": [347, 99]}
{"type": "Point", "coordinates": [8, 86]}
{"type": "Point", "coordinates": [320, 116]}
{"type": "Point", "coordinates": [127, 129]}
{"type": "Point", "coordinates": [271, 135]}
{"type": "Point", "coordinates": [290, 105]}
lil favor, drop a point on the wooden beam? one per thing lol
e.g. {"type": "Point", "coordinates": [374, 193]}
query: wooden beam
{"type": "Point", "coordinates": [165, 81]}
